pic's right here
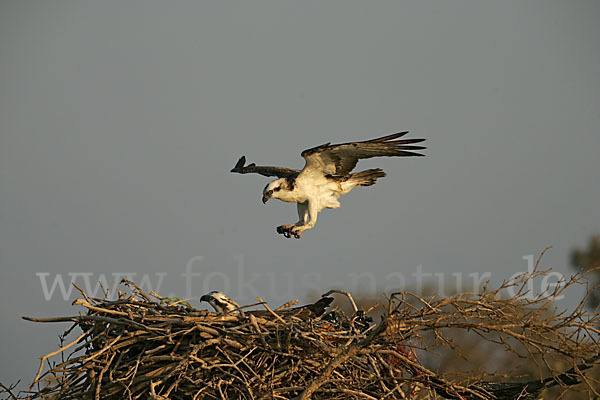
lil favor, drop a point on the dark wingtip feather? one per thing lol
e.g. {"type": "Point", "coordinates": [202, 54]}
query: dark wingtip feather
{"type": "Point", "coordinates": [404, 153]}
{"type": "Point", "coordinates": [405, 141]}
{"type": "Point", "coordinates": [388, 137]}
{"type": "Point", "coordinates": [240, 164]}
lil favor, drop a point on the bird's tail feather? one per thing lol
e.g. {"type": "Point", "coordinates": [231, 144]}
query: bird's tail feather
{"type": "Point", "coordinates": [320, 306]}
{"type": "Point", "coordinates": [367, 177]}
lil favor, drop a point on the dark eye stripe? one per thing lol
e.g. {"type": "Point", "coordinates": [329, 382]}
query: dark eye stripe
{"type": "Point", "coordinates": [277, 189]}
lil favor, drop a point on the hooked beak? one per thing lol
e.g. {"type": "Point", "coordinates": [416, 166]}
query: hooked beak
{"type": "Point", "coordinates": [267, 195]}
{"type": "Point", "coordinates": [205, 298]}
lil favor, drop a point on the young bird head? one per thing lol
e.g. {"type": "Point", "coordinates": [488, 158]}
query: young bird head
{"type": "Point", "coordinates": [220, 302]}
{"type": "Point", "coordinates": [274, 189]}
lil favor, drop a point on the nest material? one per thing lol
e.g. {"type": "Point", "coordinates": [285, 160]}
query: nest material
{"type": "Point", "coordinates": [137, 348]}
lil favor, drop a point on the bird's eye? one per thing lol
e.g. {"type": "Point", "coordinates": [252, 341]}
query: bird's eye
{"type": "Point", "coordinates": [270, 192]}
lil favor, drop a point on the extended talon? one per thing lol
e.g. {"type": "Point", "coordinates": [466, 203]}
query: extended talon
{"type": "Point", "coordinates": [285, 230]}
{"type": "Point", "coordinates": [289, 230]}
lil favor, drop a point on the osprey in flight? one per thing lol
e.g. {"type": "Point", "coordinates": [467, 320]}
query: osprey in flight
{"type": "Point", "coordinates": [326, 176]}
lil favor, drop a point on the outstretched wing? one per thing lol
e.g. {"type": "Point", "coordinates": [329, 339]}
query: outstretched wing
{"type": "Point", "coordinates": [340, 159]}
{"type": "Point", "coordinates": [265, 171]}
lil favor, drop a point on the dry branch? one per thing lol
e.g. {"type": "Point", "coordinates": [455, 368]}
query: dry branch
{"type": "Point", "coordinates": [137, 348]}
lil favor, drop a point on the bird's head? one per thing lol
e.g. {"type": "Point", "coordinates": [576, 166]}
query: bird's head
{"type": "Point", "coordinates": [220, 302]}
{"type": "Point", "coordinates": [274, 189]}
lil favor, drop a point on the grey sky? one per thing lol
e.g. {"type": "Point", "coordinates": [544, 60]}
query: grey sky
{"type": "Point", "coordinates": [119, 122]}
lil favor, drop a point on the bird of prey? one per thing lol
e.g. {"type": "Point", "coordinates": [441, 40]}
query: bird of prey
{"type": "Point", "coordinates": [359, 322]}
{"type": "Point", "coordinates": [327, 175]}
{"type": "Point", "coordinates": [224, 305]}
{"type": "Point", "coordinates": [220, 302]}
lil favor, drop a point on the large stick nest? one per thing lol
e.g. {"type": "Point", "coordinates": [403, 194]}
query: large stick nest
{"type": "Point", "coordinates": [137, 347]}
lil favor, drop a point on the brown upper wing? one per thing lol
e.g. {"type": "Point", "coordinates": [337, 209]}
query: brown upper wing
{"type": "Point", "coordinates": [340, 159]}
{"type": "Point", "coordinates": [263, 170]}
